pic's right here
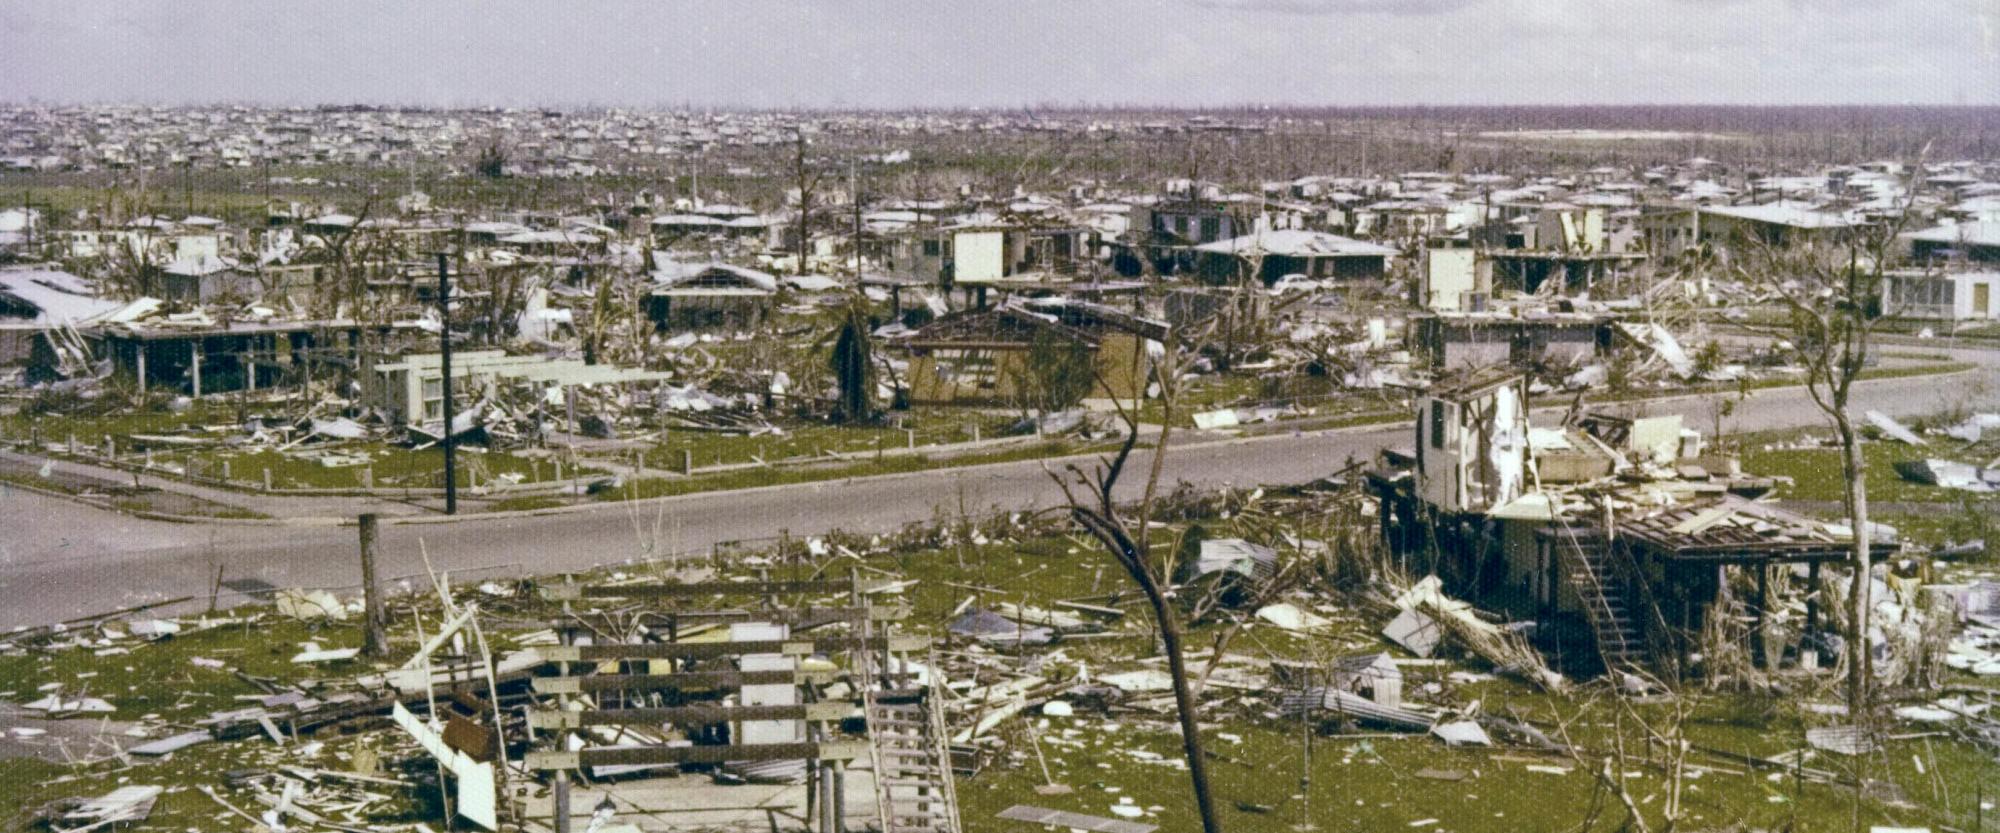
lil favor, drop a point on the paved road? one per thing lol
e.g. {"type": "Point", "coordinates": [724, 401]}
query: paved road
{"type": "Point", "coordinates": [63, 560]}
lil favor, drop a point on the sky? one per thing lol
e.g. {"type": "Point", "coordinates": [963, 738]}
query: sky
{"type": "Point", "coordinates": [1002, 53]}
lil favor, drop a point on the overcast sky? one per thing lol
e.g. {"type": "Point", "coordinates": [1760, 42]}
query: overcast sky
{"type": "Point", "coordinates": [887, 53]}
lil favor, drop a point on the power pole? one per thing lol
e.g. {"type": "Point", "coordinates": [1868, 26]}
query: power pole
{"type": "Point", "coordinates": [375, 634]}
{"type": "Point", "coordinates": [444, 352]}
{"type": "Point", "coordinates": [854, 196]}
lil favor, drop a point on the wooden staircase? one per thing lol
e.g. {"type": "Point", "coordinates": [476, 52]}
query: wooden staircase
{"type": "Point", "coordinates": [913, 783]}
{"type": "Point", "coordinates": [1613, 621]}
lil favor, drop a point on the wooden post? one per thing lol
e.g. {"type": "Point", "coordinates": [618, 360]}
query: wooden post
{"type": "Point", "coordinates": [225, 471]}
{"type": "Point", "coordinates": [194, 368]}
{"type": "Point", "coordinates": [450, 443]}
{"type": "Point", "coordinates": [142, 368]}
{"type": "Point", "coordinates": [687, 461]}
{"type": "Point", "coordinates": [1763, 598]}
{"type": "Point", "coordinates": [375, 636]}
{"type": "Point", "coordinates": [912, 434]}
{"type": "Point", "coordinates": [368, 478]}
{"type": "Point", "coordinates": [267, 479]}
{"type": "Point", "coordinates": [1812, 598]}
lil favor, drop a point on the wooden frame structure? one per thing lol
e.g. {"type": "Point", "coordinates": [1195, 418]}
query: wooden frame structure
{"type": "Point", "coordinates": [679, 695]}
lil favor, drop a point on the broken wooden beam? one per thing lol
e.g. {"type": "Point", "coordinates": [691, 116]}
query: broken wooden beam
{"type": "Point", "coordinates": [688, 715]}
{"type": "Point", "coordinates": [657, 755]}
{"type": "Point", "coordinates": [712, 650]}
{"type": "Point", "coordinates": [689, 679]}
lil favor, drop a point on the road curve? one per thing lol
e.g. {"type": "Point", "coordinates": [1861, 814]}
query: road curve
{"type": "Point", "coordinates": [59, 559]}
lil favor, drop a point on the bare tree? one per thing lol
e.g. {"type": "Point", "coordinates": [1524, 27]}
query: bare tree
{"type": "Point", "coordinates": [1128, 538]}
{"type": "Point", "coordinates": [806, 180]}
{"type": "Point", "coordinates": [1835, 294]}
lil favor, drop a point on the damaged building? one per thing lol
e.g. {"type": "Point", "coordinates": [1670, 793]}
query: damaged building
{"type": "Point", "coordinates": [1618, 533]}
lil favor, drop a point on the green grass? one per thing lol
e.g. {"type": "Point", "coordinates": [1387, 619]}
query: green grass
{"type": "Point", "coordinates": [767, 476]}
{"type": "Point", "coordinates": [931, 426]}
{"type": "Point", "coordinates": [1816, 473]}
{"type": "Point", "coordinates": [160, 678]}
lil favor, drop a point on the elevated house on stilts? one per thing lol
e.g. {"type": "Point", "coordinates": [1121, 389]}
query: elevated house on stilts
{"type": "Point", "coordinates": [1619, 538]}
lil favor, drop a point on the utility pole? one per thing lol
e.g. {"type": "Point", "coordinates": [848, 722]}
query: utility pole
{"type": "Point", "coordinates": [444, 353]}
{"type": "Point", "coordinates": [375, 634]}
{"type": "Point", "coordinates": [854, 196]}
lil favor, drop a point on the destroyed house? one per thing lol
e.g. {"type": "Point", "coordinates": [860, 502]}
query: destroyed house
{"type": "Point", "coordinates": [1646, 579]}
{"type": "Point", "coordinates": [206, 281]}
{"type": "Point", "coordinates": [1189, 222]}
{"type": "Point", "coordinates": [986, 253]}
{"type": "Point", "coordinates": [1457, 340]}
{"type": "Point", "coordinates": [1270, 255]}
{"type": "Point", "coordinates": [982, 356]}
{"type": "Point", "coordinates": [1564, 273]}
{"type": "Point", "coordinates": [1777, 223]}
{"type": "Point", "coordinates": [410, 390]}
{"type": "Point", "coordinates": [689, 296]}
{"type": "Point", "coordinates": [1546, 524]}
{"type": "Point", "coordinates": [1455, 278]}
{"type": "Point", "coordinates": [1472, 441]}
{"type": "Point", "coordinates": [217, 357]}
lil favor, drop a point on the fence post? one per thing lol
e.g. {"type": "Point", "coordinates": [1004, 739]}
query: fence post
{"type": "Point", "coordinates": [267, 478]}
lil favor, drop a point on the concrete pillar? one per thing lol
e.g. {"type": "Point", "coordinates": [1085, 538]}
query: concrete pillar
{"type": "Point", "coordinates": [225, 471]}
{"type": "Point", "coordinates": [142, 368]}
{"type": "Point", "coordinates": [267, 479]}
{"type": "Point", "coordinates": [194, 368]}
{"type": "Point", "coordinates": [562, 801]}
{"type": "Point", "coordinates": [911, 434]}
{"type": "Point", "coordinates": [687, 461]}
{"type": "Point", "coordinates": [368, 477]}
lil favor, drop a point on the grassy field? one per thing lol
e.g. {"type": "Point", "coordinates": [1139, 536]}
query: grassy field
{"type": "Point", "coordinates": [801, 438]}
{"type": "Point", "coordinates": [1927, 515]}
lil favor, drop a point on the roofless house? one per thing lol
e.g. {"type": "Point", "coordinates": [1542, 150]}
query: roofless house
{"type": "Point", "coordinates": [1561, 527]}
{"type": "Point", "coordinates": [980, 356]}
